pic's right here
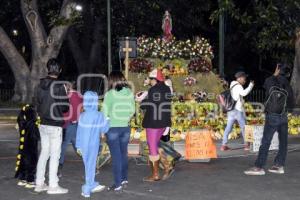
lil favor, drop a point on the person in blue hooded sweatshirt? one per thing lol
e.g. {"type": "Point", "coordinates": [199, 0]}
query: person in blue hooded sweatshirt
{"type": "Point", "coordinates": [91, 125]}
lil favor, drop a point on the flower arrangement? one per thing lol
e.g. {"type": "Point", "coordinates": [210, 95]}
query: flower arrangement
{"type": "Point", "coordinates": [224, 83]}
{"type": "Point", "coordinates": [201, 65]}
{"type": "Point", "coordinates": [190, 114]}
{"type": "Point", "coordinates": [140, 65]}
{"type": "Point", "coordinates": [189, 81]}
{"type": "Point", "coordinates": [157, 48]}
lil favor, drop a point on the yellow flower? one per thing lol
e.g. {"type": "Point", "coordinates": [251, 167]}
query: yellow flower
{"type": "Point", "coordinates": [19, 156]}
{"type": "Point", "coordinates": [23, 132]}
{"type": "Point", "coordinates": [16, 168]}
{"type": "Point", "coordinates": [21, 146]}
{"type": "Point", "coordinates": [22, 139]}
{"type": "Point", "coordinates": [18, 162]}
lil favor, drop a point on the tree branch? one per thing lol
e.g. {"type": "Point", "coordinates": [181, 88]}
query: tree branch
{"type": "Point", "coordinates": [34, 25]}
{"type": "Point", "coordinates": [57, 33]}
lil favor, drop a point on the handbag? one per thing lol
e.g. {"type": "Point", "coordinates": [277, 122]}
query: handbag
{"type": "Point", "coordinates": [166, 137]}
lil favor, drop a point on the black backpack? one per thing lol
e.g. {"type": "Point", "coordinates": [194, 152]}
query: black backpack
{"type": "Point", "coordinates": [225, 100]}
{"type": "Point", "coordinates": [276, 101]}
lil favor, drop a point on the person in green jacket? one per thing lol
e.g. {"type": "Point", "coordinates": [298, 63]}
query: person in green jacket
{"type": "Point", "coordinates": [119, 106]}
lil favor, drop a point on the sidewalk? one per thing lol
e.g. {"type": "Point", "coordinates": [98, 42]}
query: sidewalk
{"type": "Point", "coordinates": [219, 179]}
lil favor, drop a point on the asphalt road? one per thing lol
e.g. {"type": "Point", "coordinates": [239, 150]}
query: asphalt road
{"type": "Point", "coordinates": [220, 179]}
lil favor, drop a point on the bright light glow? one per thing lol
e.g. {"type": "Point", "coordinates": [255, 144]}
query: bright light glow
{"type": "Point", "coordinates": [15, 32]}
{"type": "Point", "coordinates": [78, 8]}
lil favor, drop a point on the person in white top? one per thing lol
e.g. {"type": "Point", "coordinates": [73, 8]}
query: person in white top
{"type": "Point", "coordinates": [238, 114]}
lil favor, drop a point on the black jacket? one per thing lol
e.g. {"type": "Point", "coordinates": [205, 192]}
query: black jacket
{"type": "Point", "coordinates": [280, 81]}
{"type": "Point", "coordinates": [50, 107]}
{"type": "Point", "coordinates": [157, 107]}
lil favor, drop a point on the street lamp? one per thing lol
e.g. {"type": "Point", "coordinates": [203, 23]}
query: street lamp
{"type": "Point", "coordinates": [221, 42]}
{"type": "Point", "coordinates": [15, 32]}
{"type": "Point", "coordinates": [108, 10]}
{"type": "Point", "coordinates": [78, 8]}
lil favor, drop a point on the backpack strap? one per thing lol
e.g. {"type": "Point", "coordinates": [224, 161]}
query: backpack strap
{"type": "Point", "coordinates": [234, 86]}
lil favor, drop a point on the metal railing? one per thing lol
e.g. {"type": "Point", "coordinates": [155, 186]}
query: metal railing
{"type": "Point", "coordinates": [6, 96]}
{"type": "Point", "coordinates": [257, 95]}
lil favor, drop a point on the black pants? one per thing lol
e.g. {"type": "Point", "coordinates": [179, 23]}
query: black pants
{"type": "Point", "coordinates": [274, 123]}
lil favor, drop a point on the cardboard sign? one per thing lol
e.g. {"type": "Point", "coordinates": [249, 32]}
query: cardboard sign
{"type": "Point", "coordinates": [199, 145]}
{"type": "Point", "coordinates": [254, 135]}
{"type": "Point", "coordinates": [249, 130]}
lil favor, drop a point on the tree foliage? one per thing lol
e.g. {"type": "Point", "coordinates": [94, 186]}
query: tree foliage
{"type": "Point", "coordinates": [269, 25]}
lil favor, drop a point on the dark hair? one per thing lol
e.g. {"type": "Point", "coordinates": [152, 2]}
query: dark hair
{"type": "Point", "coordinates": [73, 84]}
{"type": "Point", "coordinates": [117, 81]}
{"type": "Point", "coordinates": [53, 67]}
{"type": "Point", "coordinates": [285, 70]}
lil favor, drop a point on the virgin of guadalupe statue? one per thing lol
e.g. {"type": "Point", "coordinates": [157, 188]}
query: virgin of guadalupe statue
{"type": "Point", "coordinates": [167, 26]}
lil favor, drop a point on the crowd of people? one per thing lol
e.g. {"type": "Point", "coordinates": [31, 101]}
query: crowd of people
{"type": "Point", "coordinates": [60, 107]}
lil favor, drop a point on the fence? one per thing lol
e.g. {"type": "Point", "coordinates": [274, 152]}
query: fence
{"type": "Point", "coordinates": [257, 95]}
{"type": "Point", "coordinates": [5, 96]}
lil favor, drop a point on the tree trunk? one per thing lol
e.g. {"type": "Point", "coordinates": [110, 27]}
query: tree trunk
{"type": "Point", "coordinates": [18, 66]}
{"type": "Point", "coordinates": [295, 82]}
{"type": "Point", "coordinates": [43, 48]}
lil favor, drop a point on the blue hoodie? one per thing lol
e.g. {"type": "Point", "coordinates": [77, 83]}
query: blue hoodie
{"type": "Point", "coordinates": [91, 123]}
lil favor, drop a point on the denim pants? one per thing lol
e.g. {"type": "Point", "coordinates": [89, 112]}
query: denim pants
{"type": "Point", "coordinates": [70, 137]}
{"type": "Point", "coordinates": [51, 139]}
{"type": "Point", "coordinates": [233, 116]}
{"type": "Point", "coordinates": [274, 123]}
{"type": "Point", "coordinates": [118, 139]}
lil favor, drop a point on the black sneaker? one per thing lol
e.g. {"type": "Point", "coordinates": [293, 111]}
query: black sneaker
{"type": "Point", "coordinates": [115, 189]}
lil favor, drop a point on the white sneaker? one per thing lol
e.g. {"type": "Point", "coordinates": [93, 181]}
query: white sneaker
{"type": "Point", "coordinates": [22, 183]}
{"type": "Point", "coordinates": [254, 171]}
{"type": "Point", "coordinates": [276, 170]}
{"type": "Point", "coordinates": [99, 188]}
{"type": "Point", "coordinates": [30, 185]}
{"type": "Point", "coordinates": [41, 188]}
{"type": "Point", "coordinates": [85, 195]}
{"type": "Point", "coordinates": [124, 183]}
{"type": "Point", "coordinates": [57, 190]}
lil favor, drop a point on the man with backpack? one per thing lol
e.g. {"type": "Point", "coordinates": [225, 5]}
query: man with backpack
{"type": "Point", "coordinates": [237, 112]}
{"type": "Point", "coordinates": [51, 101]}
{"type": "Point", "coordinates": [279, 101]}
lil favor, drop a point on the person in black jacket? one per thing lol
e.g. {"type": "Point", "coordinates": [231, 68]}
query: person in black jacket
{"type": "Point", "coordinates": [28, 149]}
{"type": "Point", "coordinates": [157, 118]}
{"type": "Point", "coordinates": [51, 101]}
{"type": "Point", "coordinates": [276, 109]}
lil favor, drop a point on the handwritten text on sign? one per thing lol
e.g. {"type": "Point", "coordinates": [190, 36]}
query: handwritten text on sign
{"type": "Point", "coordinates": [199, 145]}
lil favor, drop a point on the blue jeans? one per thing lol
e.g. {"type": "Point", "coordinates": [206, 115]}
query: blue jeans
{"type": "Point", "coordinates": [118, 139]}
{"type": "Point", "coordinates": [70, 137]}
{"type": "Point", "coordinates": [233, 116]}
{"type": "Point", "coordinates": [274, 123]}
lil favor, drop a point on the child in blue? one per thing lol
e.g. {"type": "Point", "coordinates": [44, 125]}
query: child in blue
{"type": "Point", "coordinates": [91, 124]}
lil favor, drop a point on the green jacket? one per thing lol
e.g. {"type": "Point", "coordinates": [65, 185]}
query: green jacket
{"type": "Point", "coordinates": [119, 106]}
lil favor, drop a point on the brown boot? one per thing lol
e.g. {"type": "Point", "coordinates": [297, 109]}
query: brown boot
{"type": "Point", "coordinates": [154, 166]}
{"type": "Point", "coordinates": [167, 166]}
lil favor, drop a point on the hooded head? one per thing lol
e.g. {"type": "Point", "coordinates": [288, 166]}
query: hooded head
{"type": "Point", "coordinates": [90, 101]}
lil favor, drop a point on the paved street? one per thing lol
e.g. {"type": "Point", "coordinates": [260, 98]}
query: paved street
{"type": "Point", "coordinates": [220, 179]}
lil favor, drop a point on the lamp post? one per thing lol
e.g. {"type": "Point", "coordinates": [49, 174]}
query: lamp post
{"type": "Point", "coordinates": [109, 37]}
{"type": "Point", "coordinates": [221, 42]}
{"type": "Point", "coordinates": [78, 8]}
